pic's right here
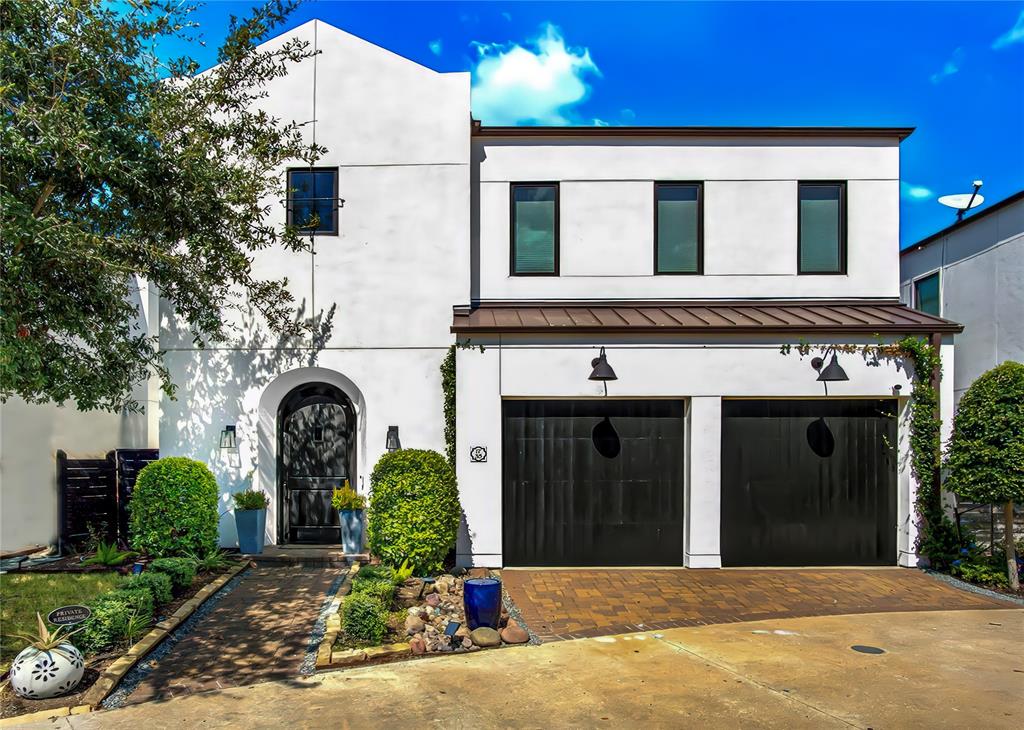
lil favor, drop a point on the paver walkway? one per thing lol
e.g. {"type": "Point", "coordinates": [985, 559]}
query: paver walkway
{"type": "Point", "coordinates": [572, 604]}
{"type": "Point", "coordinates": [258, 632]}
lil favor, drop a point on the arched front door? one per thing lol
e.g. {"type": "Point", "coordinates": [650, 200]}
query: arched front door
{"type": "Point", "coordinates": [316, 432]}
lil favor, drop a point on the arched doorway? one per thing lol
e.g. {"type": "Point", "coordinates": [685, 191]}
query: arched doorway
{"type": "Point", "coordinates": [316, 452]}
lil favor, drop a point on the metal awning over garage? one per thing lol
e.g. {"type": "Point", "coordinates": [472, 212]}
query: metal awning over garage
{"type": "Point", "coordinates": [699, 317]}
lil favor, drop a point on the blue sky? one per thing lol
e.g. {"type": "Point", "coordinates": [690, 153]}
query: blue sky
{"type": "Point", "coordinates": [953, 70]}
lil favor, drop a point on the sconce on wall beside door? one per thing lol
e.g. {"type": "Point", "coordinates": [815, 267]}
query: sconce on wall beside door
{"type": "Point", "coordinates": [393, 443]}
{"type": "Point", "coordinates": [228, 439]}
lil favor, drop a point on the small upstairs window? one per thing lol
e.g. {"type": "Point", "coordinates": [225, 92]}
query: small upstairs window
{"type": "Point", "coordinates": [926, 295]}
{"type": "Point", "coordinates": [534, 229]}
{"type": "Point", "coordinates": [313, 200]}
{"type": "Point", "coordinates": [822, 224]}
{"type": "Point", "coordinates": [677, 228]}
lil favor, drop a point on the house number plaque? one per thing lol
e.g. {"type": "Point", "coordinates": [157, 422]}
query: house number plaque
{"type": "Point", "coordinates": [478, 454]}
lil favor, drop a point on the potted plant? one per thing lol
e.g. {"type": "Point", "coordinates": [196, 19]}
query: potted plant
{"type": "Point", "coordinates": [350, 506]}
{"type": "Point", "coordinates": [49, 666]}
{"type": "Point", "coordinates": [251, 520]}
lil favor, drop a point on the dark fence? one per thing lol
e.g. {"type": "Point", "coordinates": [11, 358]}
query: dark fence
{"type": "Point", "coordinates": [94, 494]}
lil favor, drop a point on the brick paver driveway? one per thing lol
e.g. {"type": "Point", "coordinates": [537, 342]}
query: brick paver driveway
{"type": "Point", "coordinates": [258, 632]}
{"type": "Point", "coordinates": [578, 603]}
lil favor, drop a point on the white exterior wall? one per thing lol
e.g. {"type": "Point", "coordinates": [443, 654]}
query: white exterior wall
{"type": "Point", "coordinates": [701, 373]}
{"type": "Point", "coordinates": [750, 216]}
{"type": "Point", "coordinates": [399, 135]}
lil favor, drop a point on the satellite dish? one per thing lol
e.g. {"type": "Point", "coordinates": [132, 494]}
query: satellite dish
{"type": "Point", "coordinates": [962, 201]}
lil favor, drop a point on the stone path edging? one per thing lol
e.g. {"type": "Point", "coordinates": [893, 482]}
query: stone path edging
{"type": "Point", "coordinates": [965, 586]}
{"type": "Point", "coordinates": [113, 674]}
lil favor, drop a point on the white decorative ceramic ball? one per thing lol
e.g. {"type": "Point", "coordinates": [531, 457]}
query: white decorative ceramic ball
{"type": "Point", "coordinates": [38, 675]}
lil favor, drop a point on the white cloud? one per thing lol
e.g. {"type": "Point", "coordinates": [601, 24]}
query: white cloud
{"type": "Point", "coordinates": [950, 67]}
{"type": "Point", "coordinates": [628, 114]}
{"type": "Point", "coordinates": [436, 47]}
{"type": "Point", "coordinates": [599, 123]}
{"type": "Point", "coordinates": [914, 192]}
{"type": "Point", "coordinates": [1013, 35]}
{"type": "Point", "coordinates": [538, 83]}
{"type": "Point", "coordinates": [507, 16]}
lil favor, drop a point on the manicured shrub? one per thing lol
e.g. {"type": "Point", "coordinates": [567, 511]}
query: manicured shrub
{"type": "Point", "coordinates": [174, 508]}
{"type": "Point", "coordinates": [375, 572]}
{"type": "Point", "coordinates": [986, 453]}
{"type": "Point", "coordinates": [414, 508]}
{"type": "Point", "coordinates": [364, 618]}
{"type": "Point", "coordinates": [115, 616]}
{"type": "Point", "coordinates": [181, 571]}
{"type": "Point", "coordinates": [158, 584]}
{"type": "Point", "coordinates": [380, 588]}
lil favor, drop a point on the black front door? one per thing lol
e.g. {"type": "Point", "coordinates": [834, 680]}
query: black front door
{"type": "Point", "coordinates": [593, 483]}
{"type": "Point", "coordinates": [316, 449]}
{"type": "Point", "coordinates": [808, 482]}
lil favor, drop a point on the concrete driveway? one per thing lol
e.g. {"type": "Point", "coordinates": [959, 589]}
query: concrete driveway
{"type": "Point", "coordinates": [939, 669]}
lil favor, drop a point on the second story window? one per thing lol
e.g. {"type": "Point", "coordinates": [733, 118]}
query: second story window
{"type": "Point", "coordinates": [677, 228]}
{"type": "Point", "coordinates": [926, 295]}
{"type": "Point", "coordinates": [822, 223]}
{"type": "Point", "coordinates": [534, 229]}
{"type": "Point", "coordinates": [313, 200]}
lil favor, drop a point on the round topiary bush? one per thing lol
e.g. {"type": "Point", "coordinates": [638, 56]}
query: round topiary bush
{"type": "Point", "coordinates": [414, 509]}
{"type": "Point", "coordinates": [174, 508]}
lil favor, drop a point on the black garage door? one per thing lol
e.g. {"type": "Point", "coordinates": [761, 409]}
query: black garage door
{"type": "Point", "coordinates": [593, 482]}
{"type": "Point", "coordinates": [809, 482]}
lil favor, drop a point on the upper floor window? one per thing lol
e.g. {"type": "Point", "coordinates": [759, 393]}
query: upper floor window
{"type": "Point", "coordinates": [313, 200]}
{"type": "Point", "coordinates": [822, 224]}
{"type": "Point", "coordinates": [926, 295]}
{"type": "Point", "coordinates": [535, 229]}
{"type": "Point", "coordinates": [678, 239]}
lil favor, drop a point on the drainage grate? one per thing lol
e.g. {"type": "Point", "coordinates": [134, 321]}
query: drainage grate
{"type": "Point", "coordinates": [867, 649]}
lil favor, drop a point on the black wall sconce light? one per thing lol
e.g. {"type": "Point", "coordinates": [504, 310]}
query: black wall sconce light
{"type": "Point", "coordinates": [832, 372]}
{"type": "Point", "coordinates": [228, 438]}
{"type": "Point", "coordinates": [602, 372]}
{"type": "Point", "coordinates": [393, 442]}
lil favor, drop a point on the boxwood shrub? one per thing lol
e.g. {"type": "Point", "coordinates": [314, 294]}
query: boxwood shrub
{"type": "Point", "coordinates": [111, 614]}
{"type": "Point", "coordinates": [159, 584]}
{"type": "Point", "coordinates": [182, 571]}
{"type": "Point", "coordinates": [174, 508]}
{"type": "Point", "coordinates": [414, 509]}
{"type": "Point", "coordinates": [380, 588]}
{"type": "Point", "coordinates": [364, 618]}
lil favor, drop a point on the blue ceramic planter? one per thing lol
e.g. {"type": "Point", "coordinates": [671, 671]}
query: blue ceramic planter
{"type": "Point", "coordinates": [481, 597]}
{"type": "Point", "coordinates": [351, 530]}
{"type": "Point", "coordinates": [251, 525]}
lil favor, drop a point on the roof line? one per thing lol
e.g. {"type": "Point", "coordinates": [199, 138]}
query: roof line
{"type": "Point", "coordinates": [900, 133]}
{"type": "Point", "coordinates": [1019, 195]}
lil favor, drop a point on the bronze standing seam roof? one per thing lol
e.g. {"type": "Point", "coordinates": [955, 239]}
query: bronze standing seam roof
{"type": "Point", "coordinates": [698, 317]}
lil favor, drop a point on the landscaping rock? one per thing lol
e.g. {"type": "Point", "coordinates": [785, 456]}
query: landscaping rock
{"type": "Point", "coordinates": [433, 600]}
{"type": "Point", "coordinates": [485, 636]}
{"type": "Point", "coordinates": [417, 645]}
{"type": "Point", "coordinates": [413, 625]}
{"type": "Point", "coordinates": [462, 632]}
{"type": "Point", "coordinates": [514, 634]}
{"type": "Point", "coordinates": [466, 642]}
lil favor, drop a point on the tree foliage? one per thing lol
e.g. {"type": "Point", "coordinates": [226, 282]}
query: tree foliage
{"type": "Point", "coordinates": [117, 167]}
{"type": "Point", "coordinates": [986, 454]}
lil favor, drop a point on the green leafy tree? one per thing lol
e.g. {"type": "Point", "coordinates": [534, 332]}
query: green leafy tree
{"type": "Point", "coordinates": [986, 454]}
{"type": "Point", "coordinates": [118, 167]}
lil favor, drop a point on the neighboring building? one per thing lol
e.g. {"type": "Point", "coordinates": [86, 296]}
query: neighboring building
{"type": "Point", "coordinates": [688, 257]}
{"type": "Point", "coordinates": [973, 272]}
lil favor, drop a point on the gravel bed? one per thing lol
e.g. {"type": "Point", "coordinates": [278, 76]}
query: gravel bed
{"type": "Point", "coordinates": [965, 586]}
{"type": "Point", "coordinates": [308, 666]}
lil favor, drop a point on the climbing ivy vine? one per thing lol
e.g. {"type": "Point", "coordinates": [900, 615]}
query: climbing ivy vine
{"type": "Point", "coordinates": [448, 391]}
{"type": "Point", "coordinates": [937, 535]}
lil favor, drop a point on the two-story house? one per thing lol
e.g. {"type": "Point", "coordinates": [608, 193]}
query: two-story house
{"type": "Point", "coordinates": [623, 297]}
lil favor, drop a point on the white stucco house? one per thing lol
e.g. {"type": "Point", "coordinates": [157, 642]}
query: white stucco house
{"type": "Point", "coordinates": [681, 260]}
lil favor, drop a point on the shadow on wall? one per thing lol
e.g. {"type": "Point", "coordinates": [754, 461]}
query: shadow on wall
{"type": "Point", "coordinates": [220, 386]}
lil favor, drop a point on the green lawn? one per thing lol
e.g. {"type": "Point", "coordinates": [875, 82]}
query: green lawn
{"type": "Point", "coordinates": [21, 595]}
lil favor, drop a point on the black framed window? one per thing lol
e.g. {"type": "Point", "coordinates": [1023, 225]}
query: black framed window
{"type": "Point", "coordinates": [678, 223]}
{"type": "Point", "coordinates": [534, 229]}
{"type": "Point", "coordinates": [313, 200]}
{"type": "Point", "coordinates": [926, 295]}
{"type": "Point", "coordinates": [822, 228]}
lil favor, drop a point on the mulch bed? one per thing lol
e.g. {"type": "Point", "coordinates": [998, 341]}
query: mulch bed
{"type": "Point", "coordinates": [11, 705]}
